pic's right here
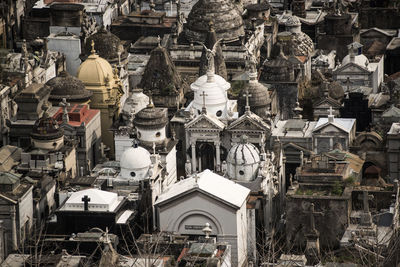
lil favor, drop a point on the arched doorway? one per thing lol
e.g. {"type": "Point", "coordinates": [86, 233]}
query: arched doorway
{"type": "Point", "coordinates": [206, 155]}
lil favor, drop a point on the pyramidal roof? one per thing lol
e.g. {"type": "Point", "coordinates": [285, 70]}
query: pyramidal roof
{"type": "Point", "coordinates": [161, 76]}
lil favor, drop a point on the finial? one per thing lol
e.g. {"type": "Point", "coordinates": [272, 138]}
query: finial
{"type": "Point", "coordinates": [207, 230]}
{"type": "Point", "coordinates": [297, 110]}
{"type": "Point", "coordinates": [151, 104]}
{"type": "Point", "coordinates": [247, 95]}
{"type": "Point", "coordinates": [45, 108]}
{"type": "Point", "coordinates": [64, 104]}
{"type": "Point", "coordinates": [203, 109]}
{"type": "Point", "coordinates": [93, 51]}
{"type": "Point", "coordinates": [331, 116]}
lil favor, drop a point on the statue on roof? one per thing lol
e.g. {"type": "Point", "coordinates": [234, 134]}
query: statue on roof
{"type": "Point", "coordinates": [210, 54]}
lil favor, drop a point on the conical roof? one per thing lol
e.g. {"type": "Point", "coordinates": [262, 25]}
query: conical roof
{"type": "Point", "coordinates": [225, 15]}
{"type": "Point", "coordinates": [160, 76]}
{"type": "Point", "coordinates": [219, 62]}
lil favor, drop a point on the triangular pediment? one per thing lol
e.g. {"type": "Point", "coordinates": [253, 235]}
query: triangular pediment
{"type": "Point", "coordinates": [329, 128]}
{"type": "Point", "coordinates": [351, 68]}
{"type": "Point", "coordinates": [249, 122]}
{"type": "Point", "coordinates": [294, 147]}
{"type": "Point", "coordinates": [205, 122]}
{"type": "Point", "coordinates": [327, 103]}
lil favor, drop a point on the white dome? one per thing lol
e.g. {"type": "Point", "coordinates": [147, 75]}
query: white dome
{"type": "Point", "coordinates": [216, 96]}
{"type": "Point", "coordinates": [136, 101]}
{"type": "Point", "coordinates": [243, 161]}
{"type": "Point", "coordinates": [360, 60]}
{"type": "Point", "coordinates": [135, 163]}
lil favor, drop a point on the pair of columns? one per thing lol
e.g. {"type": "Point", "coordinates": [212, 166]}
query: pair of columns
{"type": "Point", "coordinates": [217, 155]}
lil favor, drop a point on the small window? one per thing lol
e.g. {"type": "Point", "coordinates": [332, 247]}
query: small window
{"type": "Point", "coordinates": [219, 113]}
{"type": "Point", "coordinates": [133, 174]}
{"type": "Point", "coordinates": [158, 134]}
{"type": "Point", "coordinates": [241, 172]}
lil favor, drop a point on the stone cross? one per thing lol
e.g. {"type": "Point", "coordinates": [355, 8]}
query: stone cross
{"type": "Point", "coordinates": [365, 198]}
{"type": "Point", "coordinates": [204, 101]}
{"type": "Point", "coordinates": [312, 219]}
{"type": "Point", "coordinates": [348, 83]}
{"type": "Point", "coordinates": [64, 104]}
{"type": "Point", "coordinates": [330, 111]}
{"type": "Point", "coordinates": [247, 95]}
{"type": "Point", "coordinates": [86, 201]}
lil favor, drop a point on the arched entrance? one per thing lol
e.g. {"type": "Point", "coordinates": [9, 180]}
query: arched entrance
{"type": "Point", "coordinates": [206, 156]}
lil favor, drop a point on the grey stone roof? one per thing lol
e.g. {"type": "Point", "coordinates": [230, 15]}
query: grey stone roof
{"type": "Point", "coordinates": [223, 13]}
{"type": "Point", "coordinates": [258, 101]}
{"type": "Point", "coordinates": [68, 87]}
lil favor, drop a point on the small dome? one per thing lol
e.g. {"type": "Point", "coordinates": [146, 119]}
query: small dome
{"type": "Point", "coordinates": [151, 118]}
{"type": "Point", "coordinates": [215, 91]}
{"type": "Point", "coordinates": [46, 128]}
{"type": "Point", "coordinates": [291, 21]}
{"type": "Point", "coordinates": [243, 161]}
{"type": "Point", "coordinates": [95, 71]}
{"type": "Point", "coordinates": [223, 13]}
{"type": "Point", "coordinates": [135, 163]}
{"type": "Point", "coordinates": [259, 100]}
{"type": "Point", "coordinates": [136, 101]}
{"type": "Point", "coordinates": [360, 60]}
{"type": "Point", "coordinates": [106, 44]}
{"type": "Point", "coordinates": [68, 87]}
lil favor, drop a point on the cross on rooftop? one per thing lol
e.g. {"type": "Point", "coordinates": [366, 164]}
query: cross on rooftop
{"type": "Point", "coordinates": [348, 83]}
{"type": "Point", "coordinates": [247, 95]}
{"type": "Point", "coordinates": [330, 111]}
{"type": "Point", "coordinates": [203, 94]}
{"type": "Point", "coordinates": [159, 40]}
{"type": "Point", "coordinates": [86, 201]}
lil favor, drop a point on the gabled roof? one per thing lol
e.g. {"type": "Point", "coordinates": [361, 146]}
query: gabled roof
{"type": "Point", "coordinates": [384, 32]}
{"type": "Point", "coordinates": [391, 112]}
{"type": "Point", "coordinates": [219, 125]}
{"type": "Point", "coordinates": [211, 184]}
{"type": "Point", "coordinates": [341, 123]}
{"type": "Point", "coordinates": [300, 148]}
{"type": "Point", "coordinates": [254, 119]}
{"type": "Point", "coordinates": [350, 64]}
{"type": "Point", "coordinates": [328, 100]}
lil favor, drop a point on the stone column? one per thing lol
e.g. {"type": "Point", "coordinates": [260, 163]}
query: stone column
{"type": "Point", "coordinates": [193, 156]}
{"type": "Point", "coordinates": [217, 155]}
{"type": "Point", "coordinates": [14, 229]}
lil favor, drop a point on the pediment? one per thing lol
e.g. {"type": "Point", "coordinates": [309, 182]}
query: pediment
{"type": "Point", "coordinates": [248, 123]}
{"type": "Point", "coordinates": [351, 68]}
{"type": "Point", "coordinates": [329, 128]}
{"type": "Point", "coordinates": [204, 122]}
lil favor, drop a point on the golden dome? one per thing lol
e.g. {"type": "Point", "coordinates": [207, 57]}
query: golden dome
{"type": "Point", "coordinates": [95, 71]}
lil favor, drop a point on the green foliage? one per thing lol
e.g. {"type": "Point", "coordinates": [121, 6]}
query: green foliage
{"type": "Point", "coordinates": [337, 189]}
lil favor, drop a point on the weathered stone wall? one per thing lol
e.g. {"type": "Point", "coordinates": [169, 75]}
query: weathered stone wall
{"type": "Point", "coordinates": [331, 225]}
{"type": "Point", "coordinates": [383, 18]}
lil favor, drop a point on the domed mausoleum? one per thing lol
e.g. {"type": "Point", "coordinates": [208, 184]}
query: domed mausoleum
{"type": "Point", "coordinates": [68, 87]}
{"type": "Point", "coordinates": [135, 163]}
{"type": "Point", "coordinates": [243, 161]}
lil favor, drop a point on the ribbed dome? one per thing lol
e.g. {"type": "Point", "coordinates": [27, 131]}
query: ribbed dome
{"type": "Point", "coordinates": [95, 71]}
{"type": "Point", "coordinates": [223, 13]}
{"type": "Point", "coordinates": [46, 128]}
{"type": "Point", "coordinates": [243, 161]}
{"type": "Point", "coordinates": [106, 44]}
{"type": "Point", "coordinates": [151, 118]}
{"type": "Point", "coordinates": [259, 100]}
{"type": "Point", "coordinates": [68, 87]}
